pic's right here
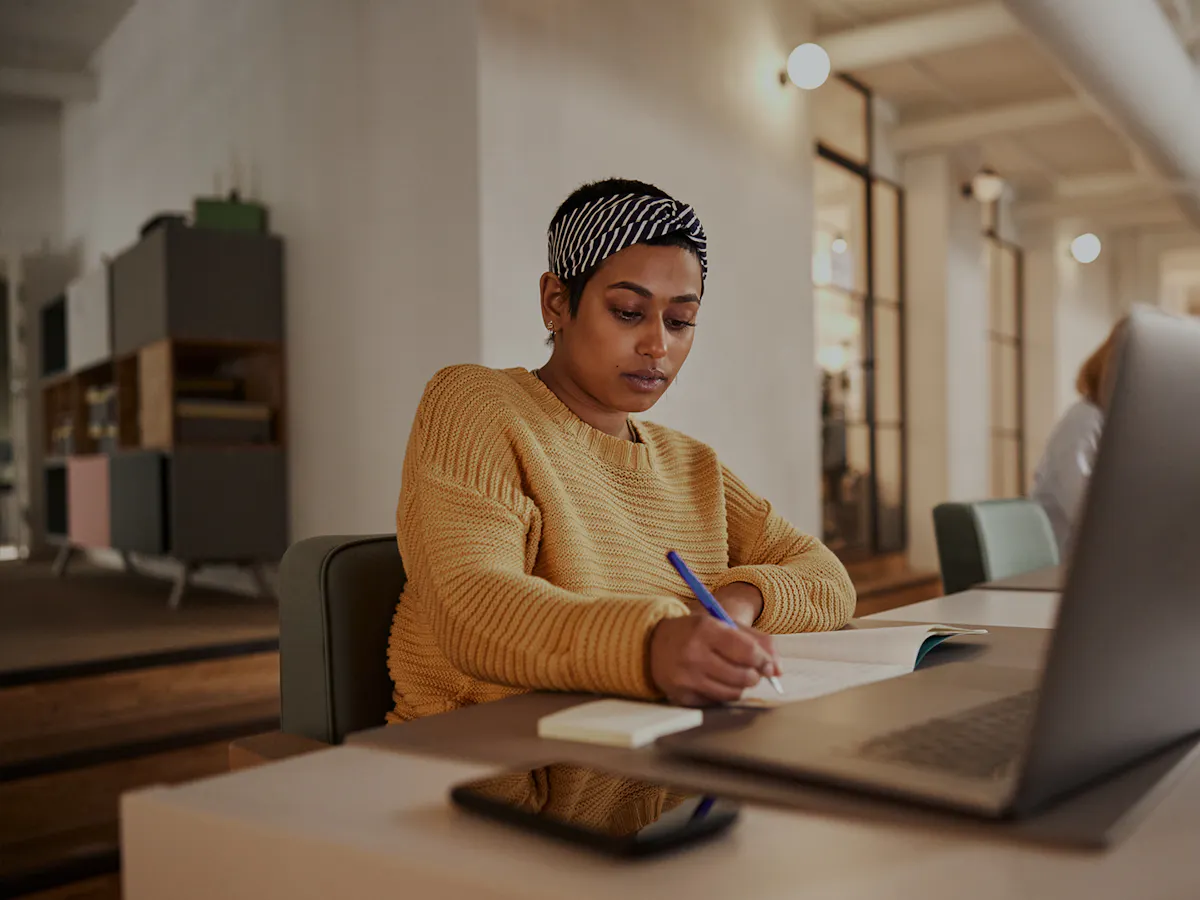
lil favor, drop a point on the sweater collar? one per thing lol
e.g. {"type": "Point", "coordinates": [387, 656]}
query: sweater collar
{"type": "Point", "coordinates": [614, 450]}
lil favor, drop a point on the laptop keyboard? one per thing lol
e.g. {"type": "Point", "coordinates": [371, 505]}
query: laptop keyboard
{"type": "Point", "coordinates": [981, 742]}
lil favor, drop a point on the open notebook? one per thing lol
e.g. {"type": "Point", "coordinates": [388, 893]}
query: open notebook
{"type": "Point", "coordinates": [823, 662]}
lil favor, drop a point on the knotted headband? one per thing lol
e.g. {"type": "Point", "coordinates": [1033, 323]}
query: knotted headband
{"type": "Point", "coordinates": [600, 228]}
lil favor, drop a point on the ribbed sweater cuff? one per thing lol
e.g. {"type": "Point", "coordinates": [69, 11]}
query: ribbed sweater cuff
{"type": "Point", "coordinates": [615, 658]}
{"type": "Point", "coordinates": [791, 602]}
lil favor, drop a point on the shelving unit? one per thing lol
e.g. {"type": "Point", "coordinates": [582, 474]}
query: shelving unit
{"type": "Point", "coordinates": [164, 404]}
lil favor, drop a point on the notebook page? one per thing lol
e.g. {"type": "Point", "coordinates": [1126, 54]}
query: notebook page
{"type": "Point", "coordinates": [895, 646]}
{"type": "Point", "coordinates": [803, 679]}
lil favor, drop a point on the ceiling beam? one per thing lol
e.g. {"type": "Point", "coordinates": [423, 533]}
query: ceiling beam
{"type": "Point", "coordinates": [964, 128]}
{"type": "Point", "coordinates": [1149, 87]}
{"type": "Point", "coordinates": [1116, 184]}
{"type": "Point", "coordinates": [47, 84]}
{"type": "Point", "coordinates": [912, 36]}
{"type": "Point", "coordinates": [1125, 210]}
{"type": "Point", "coordinates": [1107, 184]}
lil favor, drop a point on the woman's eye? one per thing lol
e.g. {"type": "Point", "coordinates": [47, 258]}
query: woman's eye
{"type": "Point", "coordinates": [627, 315]}
{"type": "Point", "coordinates": [679, 324]}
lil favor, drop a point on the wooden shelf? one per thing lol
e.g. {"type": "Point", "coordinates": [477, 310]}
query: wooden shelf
{"type": "Point", "coordinates": [55, 378]}
{"type": "Point", "coordinates": [126, 379]}
{"type": "Point", "coordinates": [57, 500]}
{"type": "Point", "coordinates": [250, 372]}
{"type": "Point", "coordinates": [53, 321]}
{"type": "Point", "coordinates": [62, 408]}
{"type": "Point", "coordinates": [184, 316]}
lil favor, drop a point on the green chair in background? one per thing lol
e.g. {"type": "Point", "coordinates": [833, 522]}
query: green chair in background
{"type": "Point", "coordinates": [991, 539]}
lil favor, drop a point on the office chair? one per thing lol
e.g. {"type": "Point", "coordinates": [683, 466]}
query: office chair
{"type": "Point", "coordinates": [337, 597]}
{"type": "Point", "coordinates": [990, 539]}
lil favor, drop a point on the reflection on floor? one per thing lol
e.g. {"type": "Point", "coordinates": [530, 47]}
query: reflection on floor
{"type": "Point", "coordinates": [103, 689]}
{"type": "Point", "coordinates": [886, 582]}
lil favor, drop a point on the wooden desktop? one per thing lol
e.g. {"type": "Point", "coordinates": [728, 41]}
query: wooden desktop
{"type": "Point", "coordinates": [367, 820]}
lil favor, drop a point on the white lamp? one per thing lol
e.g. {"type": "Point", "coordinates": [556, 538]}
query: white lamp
{"type": "Point", "coordinates": [839, 245]}
{"type": "Point", "coordinates": [985, 186]}
{"type": "Point", "coordinates": [1085, 248]}
{"type": "Point", "coordinates": [808, 66]}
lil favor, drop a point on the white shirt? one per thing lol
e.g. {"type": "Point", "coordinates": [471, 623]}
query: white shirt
{"type": "Point", "coordinates": [1062, 475]}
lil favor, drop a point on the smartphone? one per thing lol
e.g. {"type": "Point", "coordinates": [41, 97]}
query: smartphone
{"type": "Point", "coordinates": [619, 816]}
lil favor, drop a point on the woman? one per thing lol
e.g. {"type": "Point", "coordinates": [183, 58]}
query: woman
{"type": "Point", "coordinates": [535, 515]}
{"type": "Point", "coordinates": [1061, 479]}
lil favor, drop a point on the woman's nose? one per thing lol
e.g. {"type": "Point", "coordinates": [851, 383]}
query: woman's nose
{"type": "Point", "coordinates": [652, 341]}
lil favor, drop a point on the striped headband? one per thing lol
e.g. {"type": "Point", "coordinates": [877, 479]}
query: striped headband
{"type": "Point", "coordinates": [600, 228]}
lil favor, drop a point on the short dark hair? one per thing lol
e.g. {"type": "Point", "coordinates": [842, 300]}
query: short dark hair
{"type": "Point", "coordinates": [612, 187]}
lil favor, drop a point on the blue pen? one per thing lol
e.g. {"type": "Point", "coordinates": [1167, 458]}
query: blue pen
{"type": "Point", "coordinates": [708, 601]}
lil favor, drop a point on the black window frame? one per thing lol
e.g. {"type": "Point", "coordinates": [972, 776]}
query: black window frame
{"type": "Point", "coordinates": [864, 170]}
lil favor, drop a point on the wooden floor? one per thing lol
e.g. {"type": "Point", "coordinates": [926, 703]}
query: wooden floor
{"type": "Point", "coordinates": [82, 726]}
{"type": "Point", "coordinates": [887, 582]}
{"type": "Point", "coordinates": [72, 743]}
{"type": "Point", "coordinates": [56, 627]}
{"type": "Point", "coordinates": [104, 887]}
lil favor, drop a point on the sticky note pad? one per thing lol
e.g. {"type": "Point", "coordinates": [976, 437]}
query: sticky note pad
{"type": "Point", "coordinates": [617, 723]}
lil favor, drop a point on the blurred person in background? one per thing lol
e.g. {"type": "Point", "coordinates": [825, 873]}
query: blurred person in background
{"type": "Point", "coordinates": [1061, 479]}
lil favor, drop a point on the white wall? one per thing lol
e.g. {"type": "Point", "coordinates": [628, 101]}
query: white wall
{"type": "Point", "coordinates": [947, 348]}
{"type": "Point", "coordinates": [30, 175]}
{"type": "Point", "coordinates": [1069, 310]}
{"type": "Point", "coordinates": [926, 225]}
{"type": "Point", "coordinates": [355, 121]}
{"type": "Point", "coordinates": [1042, 402]}
{"type": "Point", "coordinates": [683, 94]}
{"type": "Point", "coordinates": [1179, 276]}
{"type": "Point", "coordinates": [1086, 310]}
{"type": "Point", "coordinates": [412, 154]}
{"type": "Point", "coordinates": [1150, 263]}
{"type": "Point", "coordinates": [968, 312]}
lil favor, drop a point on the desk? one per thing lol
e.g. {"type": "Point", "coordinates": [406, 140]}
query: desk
{"type": "Point", "coordinates": [360, 822]}
{"type": "Point", "coordinates": [1050, 578]}
{"type": "Point", "coordinates": [983, 608]}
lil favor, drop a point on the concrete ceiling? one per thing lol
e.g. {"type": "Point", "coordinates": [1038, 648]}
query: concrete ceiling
{"type": "Point", "coordinates": [46, 45]}
{"type": "Point", "coordinates": [976, 81]}
{"type": "Point", "coordinates": [838, 15]}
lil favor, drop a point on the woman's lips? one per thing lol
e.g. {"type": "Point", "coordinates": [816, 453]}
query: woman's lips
{"type": "Point", "coordinates": [646, 382]}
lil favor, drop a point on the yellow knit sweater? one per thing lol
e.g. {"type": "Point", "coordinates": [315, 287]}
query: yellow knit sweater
{"type": "Point", "coordinates": [535, 547]}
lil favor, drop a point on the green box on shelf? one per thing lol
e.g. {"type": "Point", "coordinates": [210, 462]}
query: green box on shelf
{"type": "Point", "coordinates": [229, 214]}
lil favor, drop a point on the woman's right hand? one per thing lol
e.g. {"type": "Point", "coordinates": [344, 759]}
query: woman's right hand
{"type": "Point", "coordinates": [696, 660]}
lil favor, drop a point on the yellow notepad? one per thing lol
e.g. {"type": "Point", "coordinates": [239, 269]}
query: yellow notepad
{"type": "Point", "coordinates": [617, 723]}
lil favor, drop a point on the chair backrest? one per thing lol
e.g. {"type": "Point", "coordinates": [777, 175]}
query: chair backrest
{"type": "Point", "coordinates": [337, 597]}
{"type": "Point", "coordinates": [991, 539]}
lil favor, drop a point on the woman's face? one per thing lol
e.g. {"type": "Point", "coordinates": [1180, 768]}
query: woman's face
{"type": "Point", "coordinates": [634, 327]}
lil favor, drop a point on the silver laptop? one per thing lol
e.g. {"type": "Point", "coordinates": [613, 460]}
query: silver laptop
{"type": "Point", "coordinates": [1121, 678]}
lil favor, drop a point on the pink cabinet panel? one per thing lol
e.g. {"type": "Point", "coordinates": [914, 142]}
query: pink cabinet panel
{"type": "Point", "coordinates": [88, 518]}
